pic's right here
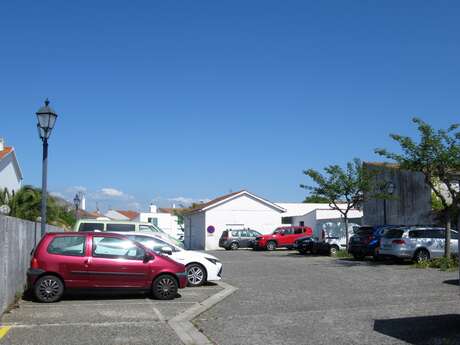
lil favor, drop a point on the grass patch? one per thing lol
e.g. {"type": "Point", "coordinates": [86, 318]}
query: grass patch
{"type": "Point", "coordinates": [343, 254]}
{"type": "Point", "coordinates": [443, 264]}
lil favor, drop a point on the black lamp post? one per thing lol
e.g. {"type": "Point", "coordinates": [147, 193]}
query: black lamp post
{"type": "Point", "coordinates": [76, 202]}
{"type": "Point", "coordinates": [46, 120]}
{"type": "Point", "coordinates": [388, 189]}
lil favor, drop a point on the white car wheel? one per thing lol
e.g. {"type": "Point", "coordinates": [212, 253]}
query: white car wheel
{"type": "Point", "coordinates": [196, 275]}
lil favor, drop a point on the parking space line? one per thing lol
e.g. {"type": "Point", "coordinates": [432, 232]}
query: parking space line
{"type": "Point", "coordinates": [157, 312]}
{"type": "Point", "coordinates": [90, 324]}
{"type": "Point", "coordinates": [4, 331]}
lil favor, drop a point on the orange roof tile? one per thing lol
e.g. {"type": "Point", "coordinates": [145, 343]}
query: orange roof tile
{"type": "Point", "coordinates": [214, 201]}
{"type": "Point", "coordinates": [129, 214]}
{"type": "Point", "coordinates": [7, 149]}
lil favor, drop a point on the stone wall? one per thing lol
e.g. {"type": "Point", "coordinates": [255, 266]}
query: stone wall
{"type": "Point", "coordinates": [18, 238]}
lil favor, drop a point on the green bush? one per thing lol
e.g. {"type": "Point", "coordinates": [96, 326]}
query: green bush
{"type": "Point", "coordinates": [444, 264]}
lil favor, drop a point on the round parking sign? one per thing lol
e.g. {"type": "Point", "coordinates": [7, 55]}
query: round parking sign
{"type": "Point", "coordinates": [211, 229]}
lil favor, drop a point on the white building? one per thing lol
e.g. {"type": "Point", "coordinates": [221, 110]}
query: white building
{"type": "Point", "coordinates": [204, 225]}
{"type": "Point", "coordinates": [10, 172]}
{"type": "Point", "coordinates": [164, 218]}
{"type": "Point", "coordinates": [328, 222]}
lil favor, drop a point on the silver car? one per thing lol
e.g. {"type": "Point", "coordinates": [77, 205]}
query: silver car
{"type": "Point", "coordinates": [416, 243]}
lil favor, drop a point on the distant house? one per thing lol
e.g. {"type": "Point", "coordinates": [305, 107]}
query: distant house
{"type": "Point", "coordinates": [320, 217]}
{"type": "Point", "coordinates": [121, 214]}
{"type": "Point", "coordinates": [10, 172]}
{"type": "Point", "coordinates": [164, 218]}
{"type": "Point", "coordinates": [204, 224]}
{"type": "Point", "coordinates": [83, 214]}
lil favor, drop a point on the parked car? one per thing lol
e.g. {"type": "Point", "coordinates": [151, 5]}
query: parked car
{"type": "Point", "coordinates": [312, 245]}
{"type": "Point", "coordinates": [417, 243]}
{"type": "Point", "coordinates": [366, 241]}
{"type": "Point", "coordinates": [100, 260]}
{"type": "Point", "coordinates": [200, 267]}
{"type": "Point", "coordinates": [334, 234]}
{"type": "Point", "coordinates": [234, 239]}
{"type": "Point", "coordinates": [123, 226]}
{"type": "Point", "coordinates": [282, 237]}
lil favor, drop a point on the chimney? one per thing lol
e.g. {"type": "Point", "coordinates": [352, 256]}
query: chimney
{"type": "Point", "coordinates": [83, 202]}
{"type": "Point", "coordinates": [2, 144]}
{"type": "Point", "coordinates": [153, 208]}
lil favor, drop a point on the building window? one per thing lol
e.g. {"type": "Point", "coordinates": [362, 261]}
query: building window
{"type": "Point", "coordinates": [153, 221]}
{"type": "Point", "coordinates": [301, 223]}
{"type": "Point", "coordinates": [286, 220]}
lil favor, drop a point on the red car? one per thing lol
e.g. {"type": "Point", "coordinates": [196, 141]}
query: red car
{"type": "Point", "coordinates": [100, 260]}
{"type": "Point", "coordinates": [282, 237]}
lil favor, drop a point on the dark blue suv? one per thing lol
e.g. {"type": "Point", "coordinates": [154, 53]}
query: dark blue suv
{"type": "Point", "coordinates": [366, 241]}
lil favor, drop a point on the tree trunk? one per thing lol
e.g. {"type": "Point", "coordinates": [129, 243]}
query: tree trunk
{"type": "Point", "coordinates": [458, 244]}
{"type": "Point", "coordinates": [346, 230]}
{"type": "Point", "coordinates": [447, 238]}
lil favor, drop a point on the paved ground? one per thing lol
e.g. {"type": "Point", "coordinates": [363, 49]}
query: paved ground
{"type": "Point", "coordinates": [285, 298]}
{"type": "Point", "coordinates": [100, 319]}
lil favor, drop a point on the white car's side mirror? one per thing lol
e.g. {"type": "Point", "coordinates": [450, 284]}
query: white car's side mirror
{"type": "Point", "coordinates": [166, 250]}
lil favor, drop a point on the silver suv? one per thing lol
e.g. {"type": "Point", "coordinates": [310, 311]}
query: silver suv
{"type": "Point", "coordinates": [416, 243]}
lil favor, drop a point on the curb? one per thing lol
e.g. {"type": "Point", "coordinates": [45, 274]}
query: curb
{"type": "Point", "coordinates": [182, 324]}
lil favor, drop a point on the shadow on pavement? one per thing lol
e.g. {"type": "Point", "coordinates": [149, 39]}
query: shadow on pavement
{"type": "Point", "coordinates": [98, 294]}
{"type": "Point", "coordinates": [452, 282]}
{"type": "Point", "coordinates": [436, 329]}
{"type": "Point", "coordinates": [370, 262]}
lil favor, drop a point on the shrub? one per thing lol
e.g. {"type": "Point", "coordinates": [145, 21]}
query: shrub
{"type": "Point", "coordinates": [443, 263]}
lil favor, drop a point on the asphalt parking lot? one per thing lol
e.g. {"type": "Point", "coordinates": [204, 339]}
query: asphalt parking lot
{"type": "Point", "coordinates": [285, 298]}
{"type": "Point", "coordinates": [100, 318]}
{"type": "Point", "coordinates": [282, 298]}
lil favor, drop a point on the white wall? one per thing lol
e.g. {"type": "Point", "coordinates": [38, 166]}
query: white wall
{"type": "Point", "coordinates": [8, 176]}
{"type": "Point", "coordinates": [240, 212]}
{"type": "Point", "coordinates": [194, 232]}
{"type": "Point", "coordinates": [316, 218]}
{"type": "Point", "coordinates": [166, 221]}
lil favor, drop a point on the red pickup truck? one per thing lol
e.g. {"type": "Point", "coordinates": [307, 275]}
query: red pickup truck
{"type": "Point", "coordinates": [282, 237]}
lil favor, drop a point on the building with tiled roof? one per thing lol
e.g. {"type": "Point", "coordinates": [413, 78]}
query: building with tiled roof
{"type": "Point", "coordinates": [10, 172]}
{"type": "Point", "coordinates": [205, 223]}
{"type": "Point", "coordinates": [122, 214]}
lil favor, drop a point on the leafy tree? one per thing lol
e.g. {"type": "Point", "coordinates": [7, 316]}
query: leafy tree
{"type": "Point", "coordinates": [437, 156]}
{"type": "Point", "coordinates": [5, 197]}
{"type": "Point", "coordinates": [342, 188]}
{"type": "Point", "coordinates": [316, 199]}
{"type": "Point", "coordinates": [26, 204]}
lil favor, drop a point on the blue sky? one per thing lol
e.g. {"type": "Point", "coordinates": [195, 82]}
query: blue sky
{"type": "Point", "coordinates": [176, 101]}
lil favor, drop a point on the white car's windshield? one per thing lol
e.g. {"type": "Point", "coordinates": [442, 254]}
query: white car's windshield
{"type": "Point", "coordinates": [153, 243]}
{"type": "Point", "coordinates": [151, 228]}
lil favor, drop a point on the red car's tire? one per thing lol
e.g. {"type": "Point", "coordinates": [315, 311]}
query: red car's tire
{"type": "Point", "coordinates": [48, 289]}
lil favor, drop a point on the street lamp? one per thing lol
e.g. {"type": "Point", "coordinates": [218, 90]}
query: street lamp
{"type": "Point", "coordinates": [388, 189]}
{"type": "Point", "coordinates": [46, 120]}
{"type": "Point", "coordinates": [76, 202]}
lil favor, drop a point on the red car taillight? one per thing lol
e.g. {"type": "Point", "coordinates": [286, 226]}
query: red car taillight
{"type": "Point", "coordinates": [34, 263]}
{"type": "Point", "coordinates": [398, 242]}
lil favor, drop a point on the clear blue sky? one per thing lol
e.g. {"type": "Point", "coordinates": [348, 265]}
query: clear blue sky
{"type": "Point", "coordinates": [191, 99]}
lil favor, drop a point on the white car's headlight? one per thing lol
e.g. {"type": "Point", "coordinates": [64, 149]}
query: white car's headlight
{"type": "Point", "coordinates": [214, 261]}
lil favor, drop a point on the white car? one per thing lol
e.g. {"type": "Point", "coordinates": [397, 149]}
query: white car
{"type": "Point", "coordinates": [201, 267]}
